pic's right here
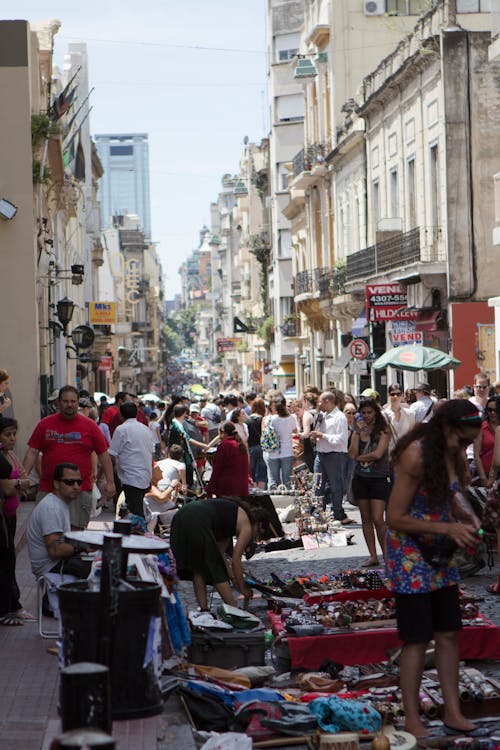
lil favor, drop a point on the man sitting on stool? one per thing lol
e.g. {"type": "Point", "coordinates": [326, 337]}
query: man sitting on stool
{"type": "Point", "coordinates": [48, 523]}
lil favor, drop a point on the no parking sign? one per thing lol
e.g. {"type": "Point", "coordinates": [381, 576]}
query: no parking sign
{"type": "Point", "coordinates": [359, 349]}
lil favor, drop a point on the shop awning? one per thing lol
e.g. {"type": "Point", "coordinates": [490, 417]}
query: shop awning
{"type": "Point", "coordinates": [427, 320]}
{"type": "Point", "coordinates": [341, 362]}
{"type": "Point", "coordinates": [284, 370]}
{"type": "Point", "coordinates": [359, 326]}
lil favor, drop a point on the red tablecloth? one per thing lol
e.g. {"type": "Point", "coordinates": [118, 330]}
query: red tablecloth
{"type": "Point", "coordinates": [366, 647]}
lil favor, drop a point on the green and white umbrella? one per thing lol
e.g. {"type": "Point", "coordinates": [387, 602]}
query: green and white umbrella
{"type": "Point", "coordinates": [414, 357]}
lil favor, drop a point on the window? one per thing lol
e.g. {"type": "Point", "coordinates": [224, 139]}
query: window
{"type": "Point", "coordinates": [284, 243]}
{"type": "Point", "coordinates": [286, 46]}
{"type": "Point", "coordinates": [283, 180]}
{"type": "Point", "coordinates": [121, 150]}
{"type": "Point", "coordinates": [434, 184]}
{"type": "Point", "coordinates": [393, 182]}
{"type": "Point", "coordinates": [290, 108]}
{"type": "Point", "coordinates": [287, 54]}
{"type": "Point", "coordinates": [408, 7]}
{"type": "Point", "coordinates": [412, 197]}
{"type": "Point", "coordinates": [376, 203]}
{"type": "Point", "coordinates": [473, 6]}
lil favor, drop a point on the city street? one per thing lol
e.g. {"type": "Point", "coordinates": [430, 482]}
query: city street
{"type": "Point", "coordinates": [29, 675]}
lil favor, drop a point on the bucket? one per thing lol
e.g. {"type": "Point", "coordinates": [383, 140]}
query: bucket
{"type": "Point", "coordinates": [135, 690]}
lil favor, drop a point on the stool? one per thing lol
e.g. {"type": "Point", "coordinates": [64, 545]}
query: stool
{"type": "Point", "coordinates": [42, 589]}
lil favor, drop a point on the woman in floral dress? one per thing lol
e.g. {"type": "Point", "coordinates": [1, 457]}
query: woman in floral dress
{"type": "Point", "coordinates": [426, 523]}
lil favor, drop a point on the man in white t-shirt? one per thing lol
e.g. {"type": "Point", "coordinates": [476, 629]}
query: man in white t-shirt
{"type": "Point", "coordinates": [330, 436]}
{"type": "Point", "coordinates": [132, 448]}
{"type": "Point", "coordinates": [422, 408]}
{"type": "Point", "coordinates": [482, 389]}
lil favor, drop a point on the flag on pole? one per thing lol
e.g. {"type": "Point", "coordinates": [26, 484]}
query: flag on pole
{"type": "Point", "coordinates": [62, 103]}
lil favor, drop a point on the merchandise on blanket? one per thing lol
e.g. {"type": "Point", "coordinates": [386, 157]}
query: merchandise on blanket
{"type": "Point", "coordinates": [262, 720]}
{"type": "Point", "coordinates": [207, 710]}
{"type": "Point", "coordinates": [226, 676]}
{"type": "Point", "coordinates": [319, 681]}
{"type": "Point", "coordinates": [331, 615]}
{"type": "Point", "coordinates": [257, 675]}
{"type": "Point", "coordinates": [336, 714]}
{"type": "Point", "coordinates": [178, 629]}
{"type": "Point", "coordinates": [239, 618]}
{"type": "Point", "coordinates": [202, 620]}
{"type": "Point", "coordinates": [227, 741]}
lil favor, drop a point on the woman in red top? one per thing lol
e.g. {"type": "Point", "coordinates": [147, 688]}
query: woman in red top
{"type": "Point", "coordinates": [230, 473]}
{"type": "Point", "coordinates": [485, 441]}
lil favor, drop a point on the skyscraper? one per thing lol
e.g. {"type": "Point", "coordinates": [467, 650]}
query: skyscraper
{"type": "Point", "coordinates": [124, 187]}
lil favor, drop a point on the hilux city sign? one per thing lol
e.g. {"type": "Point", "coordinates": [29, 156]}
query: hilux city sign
{"type": "Point", "coordinates": [386, 302]}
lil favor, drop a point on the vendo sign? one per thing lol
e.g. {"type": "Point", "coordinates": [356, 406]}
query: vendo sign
{"type": "Point", "coordinates": [405, 332]}
{"type": "Point", "coordinates": [386, 302]}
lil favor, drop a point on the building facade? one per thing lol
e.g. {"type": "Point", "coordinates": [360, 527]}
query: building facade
{"type": "Point", "coordinates": [124, 188]}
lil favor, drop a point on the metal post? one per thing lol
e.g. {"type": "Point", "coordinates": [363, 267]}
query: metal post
{"type": "Point", "coordinates": [110, 577]}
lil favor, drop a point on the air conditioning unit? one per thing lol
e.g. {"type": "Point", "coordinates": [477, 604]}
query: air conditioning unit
{"type": "Point", "coordinates": [374, 7]}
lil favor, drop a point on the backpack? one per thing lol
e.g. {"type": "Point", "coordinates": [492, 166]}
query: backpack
{"type": "Point", "coordinates": [269, 440]}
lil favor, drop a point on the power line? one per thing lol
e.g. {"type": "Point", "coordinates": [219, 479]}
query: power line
{"type": "Point", "coordinates": [174, 85]}
{"type": "Point", "coordinates": [199, 47]}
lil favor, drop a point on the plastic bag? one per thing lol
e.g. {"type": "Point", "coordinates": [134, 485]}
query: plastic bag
{"type": "Point", "coordinates": [228, 741]}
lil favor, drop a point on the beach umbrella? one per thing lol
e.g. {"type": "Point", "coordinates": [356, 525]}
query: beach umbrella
{"type": "Point", "coordinates": [414, 357]}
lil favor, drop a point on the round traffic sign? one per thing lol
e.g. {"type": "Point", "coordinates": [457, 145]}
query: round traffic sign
{"type": "Point", "coordinates": [359, 349]}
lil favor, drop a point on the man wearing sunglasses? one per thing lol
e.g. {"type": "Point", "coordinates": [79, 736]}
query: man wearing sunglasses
{"type": "Point", "coordinates": [48, 552]}
{"type": "Point", "coordinates": [481, 391]}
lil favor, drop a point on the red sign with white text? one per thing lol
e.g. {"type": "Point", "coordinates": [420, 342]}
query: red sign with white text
{"type": "Point", "coordinates": [386, 302]}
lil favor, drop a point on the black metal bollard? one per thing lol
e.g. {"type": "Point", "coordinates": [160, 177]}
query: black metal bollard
{"type": "Point", "coordinates": [85, 697]}
{"type": "Point", "coordinates": [89, 739]}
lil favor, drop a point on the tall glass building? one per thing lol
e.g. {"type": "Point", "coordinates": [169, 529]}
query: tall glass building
{"type": "Point", "coordinates": [124, 186]}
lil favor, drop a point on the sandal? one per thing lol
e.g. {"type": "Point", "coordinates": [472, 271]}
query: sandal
{"type": "Point", "coordinates": [10, 620]}
{"type": "Point", "coordinates": [23, 614]}
{"type": "Point", "coordinates": [492, 588]}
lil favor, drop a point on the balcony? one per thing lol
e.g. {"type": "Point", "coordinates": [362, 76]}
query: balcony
{"type": "Point", "coordinates": [291, 328]}
{"type": "Point", "coordinates": [398, 251]}
{"type": "Point", "coordinates": [331, 282]}
{"type": "Point", "coordinates": [308, 164]}
{"type": "Point", "coordinates": [304, 283]}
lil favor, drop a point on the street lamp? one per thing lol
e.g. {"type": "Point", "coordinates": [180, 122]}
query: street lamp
{"type": "Point", "coordinates": [65, 308]}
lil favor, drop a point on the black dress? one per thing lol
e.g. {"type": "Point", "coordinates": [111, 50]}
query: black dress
{"type": "Point", "coordinates": [196, 529]}
{"type": "Point", "coordinates": [9, 592]}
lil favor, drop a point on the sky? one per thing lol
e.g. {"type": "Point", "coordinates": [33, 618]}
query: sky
{"type": "Point", "coordinates": [152, 74]}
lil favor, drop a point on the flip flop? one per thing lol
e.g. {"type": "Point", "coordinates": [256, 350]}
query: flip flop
{"type": "Point", "coordinates": [10, 620]}
{"type": "Point", "coordinates": [23, 614]}
{"type": "Point", "coordinates": [476, 732]}
{"type": "Point", "coordinates": [492, 588]}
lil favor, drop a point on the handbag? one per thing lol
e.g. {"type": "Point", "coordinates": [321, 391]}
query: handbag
{"type": "Point", "coordinates": [269, 440]}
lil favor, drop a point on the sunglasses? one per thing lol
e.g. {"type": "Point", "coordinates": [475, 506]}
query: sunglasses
{"type": "Point", "coordinates": [395, 393]}
{"type": "Point", "coordinates": [71, 482]}
{"type": "Point", "coordinates": [492, 409]}
{"type": "Point", "coordinates": [481, 387]}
